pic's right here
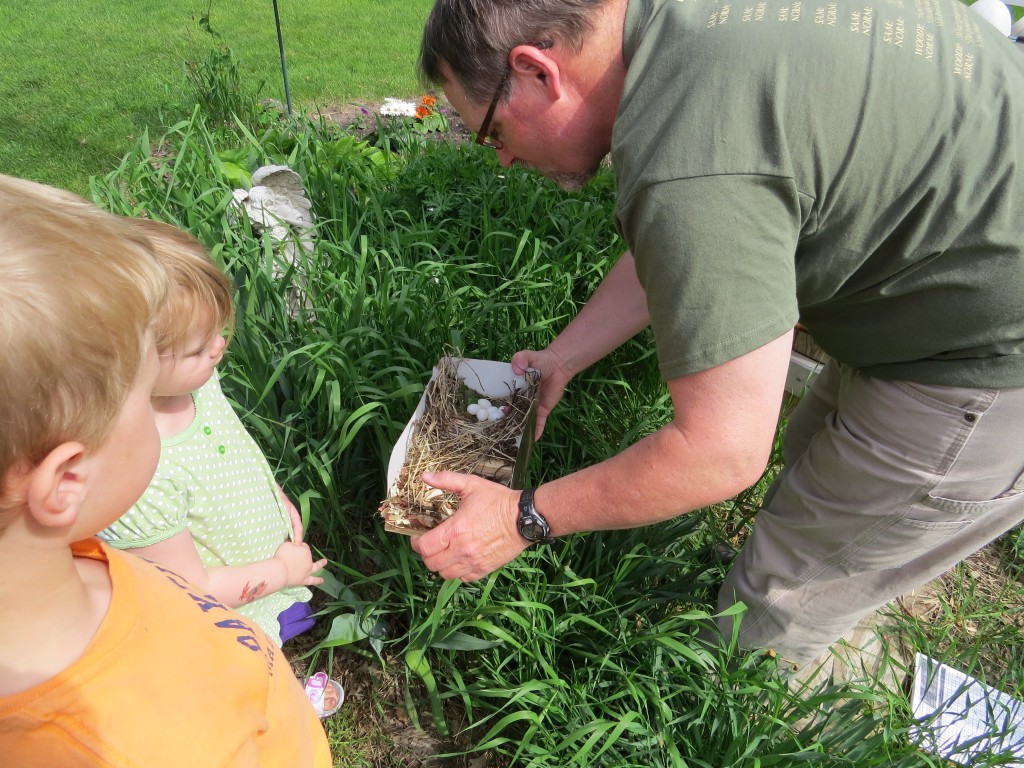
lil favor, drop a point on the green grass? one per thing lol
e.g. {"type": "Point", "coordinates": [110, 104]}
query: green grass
{"type": "Point", "coordinates": [81, 80]}
{"type": "Point", "coordinates": [582, 655]}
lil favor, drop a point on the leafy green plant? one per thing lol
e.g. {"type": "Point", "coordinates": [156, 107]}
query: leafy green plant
{"type": "Point", "coordinates": [220, 90]}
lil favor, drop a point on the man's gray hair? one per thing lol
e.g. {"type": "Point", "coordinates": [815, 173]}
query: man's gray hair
{"type": "Point", "coordinates": [474, 37]}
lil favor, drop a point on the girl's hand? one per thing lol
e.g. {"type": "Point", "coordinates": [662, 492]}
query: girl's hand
{"type": "Point", "coordinates": [297, 559]}
{"type": "Point", "coordinates": [293, 515]}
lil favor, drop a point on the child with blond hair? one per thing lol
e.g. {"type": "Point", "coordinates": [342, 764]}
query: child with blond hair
{"type": "Point", "coordinates": [107, 659]}
{"type": "Point", "coordinates": [213, 512]}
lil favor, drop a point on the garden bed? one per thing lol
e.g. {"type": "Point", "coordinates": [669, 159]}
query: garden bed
{"type": "Point", "coordinates": [360, 119]}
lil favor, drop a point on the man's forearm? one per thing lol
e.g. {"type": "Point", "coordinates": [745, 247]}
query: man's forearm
{"type": "Point", "coordinates": [717, 444]}
{"type": "Point", "coordinates": [614, 314]}
{"type": "Point", "coordinates": [655, 479]}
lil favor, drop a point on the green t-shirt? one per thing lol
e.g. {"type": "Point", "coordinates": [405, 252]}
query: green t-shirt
{"type": "Point", "coordinates": [856, 166]}
{"type": "Point", "coordinates": [214, 479]}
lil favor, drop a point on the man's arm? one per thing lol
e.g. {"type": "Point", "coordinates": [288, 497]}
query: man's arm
{"type": "Point", "coordinates": [615, 313]}
{"type": "Point", "coordinates": [717, 444]}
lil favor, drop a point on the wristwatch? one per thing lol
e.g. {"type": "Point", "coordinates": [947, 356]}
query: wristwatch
{"type": "Point", "coordinates": [531, 524]}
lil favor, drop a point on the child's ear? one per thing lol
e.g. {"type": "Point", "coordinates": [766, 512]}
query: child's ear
{"type": "Point", "coordinates": [56, 486]}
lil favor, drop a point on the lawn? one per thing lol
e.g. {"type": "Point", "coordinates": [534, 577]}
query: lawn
{"type": "Point", "coordinates": [82, 79]}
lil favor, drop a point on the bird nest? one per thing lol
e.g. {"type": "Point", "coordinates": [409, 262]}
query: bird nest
{"type": "Point", "coordinates": [447, 437]}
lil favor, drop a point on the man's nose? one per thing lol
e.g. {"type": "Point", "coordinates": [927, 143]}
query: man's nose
{"type": "Point", "coordinates": [505, 157]}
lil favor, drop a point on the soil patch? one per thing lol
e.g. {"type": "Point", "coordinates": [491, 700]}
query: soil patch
{"type": "Point", "coordinates": [374, 720]}
{"type": "Point", "coordinates": [360, 118]}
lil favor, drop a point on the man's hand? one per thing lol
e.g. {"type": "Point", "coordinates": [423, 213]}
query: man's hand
{"type": "Point", "coordinates": [480, 537]}
{"type": "Point", "coordinates": [554, 376]}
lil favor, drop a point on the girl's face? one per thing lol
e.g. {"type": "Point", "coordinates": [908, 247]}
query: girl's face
{"type": "Point", "coordinates": [186, 370]}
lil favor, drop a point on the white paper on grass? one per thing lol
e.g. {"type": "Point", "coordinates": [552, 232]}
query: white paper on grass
{"type": "Point", "coordinates": [489, 378]}
{"type": "Point", "coordinates": [961, 718]}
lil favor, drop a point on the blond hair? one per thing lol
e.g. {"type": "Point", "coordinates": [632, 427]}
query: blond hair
{"type": "Point", "coordinates": [78, 293]}
{"type": "Point", "coordinates": [198, 291]}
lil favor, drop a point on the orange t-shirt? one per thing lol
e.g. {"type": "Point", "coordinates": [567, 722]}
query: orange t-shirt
{"type": "Point", "coordinates": [172, 678]}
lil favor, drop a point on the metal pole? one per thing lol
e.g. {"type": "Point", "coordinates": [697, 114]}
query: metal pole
{"type": "Point", "coordinates": [284, 68]}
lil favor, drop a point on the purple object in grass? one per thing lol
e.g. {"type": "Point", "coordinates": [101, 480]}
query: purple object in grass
{"type": "Point", "coordinates": [295, 620]}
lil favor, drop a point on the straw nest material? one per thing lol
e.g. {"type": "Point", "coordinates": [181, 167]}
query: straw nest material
{"type": "Point", "coordinates": [447, 437]}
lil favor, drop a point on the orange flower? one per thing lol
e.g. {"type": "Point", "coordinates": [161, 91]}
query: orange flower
{"type": "Point", "coordinates": [428, 100]}
{"type": "Point", "coordinates": [422, 112]}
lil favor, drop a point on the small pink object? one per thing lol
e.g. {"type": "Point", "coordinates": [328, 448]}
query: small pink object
{"type": "Point", "coordinates": [324, 694]}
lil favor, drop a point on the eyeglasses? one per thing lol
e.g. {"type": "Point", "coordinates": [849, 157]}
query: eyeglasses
{"type": "Point", "coordinates": [483, 136]}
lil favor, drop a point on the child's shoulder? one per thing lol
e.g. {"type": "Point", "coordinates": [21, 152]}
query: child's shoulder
{"type": "Point", "coordinates": [169, 610]}
{"type": "Point", "coordinates": [159, 639]}
{"type": "Point", "coordinates": [213, 405]}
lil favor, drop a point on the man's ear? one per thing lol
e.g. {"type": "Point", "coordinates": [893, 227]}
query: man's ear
{"type": "Point", "coordinates": [538, 66]}
{"type": "Point", "coordinates": [56, 486]}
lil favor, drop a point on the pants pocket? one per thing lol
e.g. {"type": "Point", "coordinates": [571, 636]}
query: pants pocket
{"type": "Point", "coordinates": [903, 541]}
{"type": "Point", "coordinates": [977, 509]}
{"type": "Point", "coordinates": [937, 521]}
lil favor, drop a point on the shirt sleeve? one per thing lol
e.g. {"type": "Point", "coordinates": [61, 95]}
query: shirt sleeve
{"type": "Point", "coordinates": [161, 513]}
{"type": "Point", "coordinates": [716, 258]}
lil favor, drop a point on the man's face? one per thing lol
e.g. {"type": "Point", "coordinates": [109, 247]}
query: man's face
{"type": "Point", "coordinates": [534, 133]}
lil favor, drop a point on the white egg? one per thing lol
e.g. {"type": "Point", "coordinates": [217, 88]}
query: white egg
{"type": "Point", "coordinates": [473, 408]}
{"type": "Point", "coordinates": [483, 402]}
{"type": "Point", "coordinates": [482, 415]}
{"type": "Point", "coordinates": [995, 12]}
{"type": "Point", "coordinates": [495, 414]}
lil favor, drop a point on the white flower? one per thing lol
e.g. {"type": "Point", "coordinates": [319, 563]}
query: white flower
{"type": "Point", "coordinates": [393, 107]}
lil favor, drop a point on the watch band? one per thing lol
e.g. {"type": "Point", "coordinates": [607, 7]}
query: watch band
{"type": "Point", "coordinates": [531, 524]}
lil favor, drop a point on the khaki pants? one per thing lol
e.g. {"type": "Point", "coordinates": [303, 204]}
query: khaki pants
{"type": "Point", "coordinates": [886, 485]}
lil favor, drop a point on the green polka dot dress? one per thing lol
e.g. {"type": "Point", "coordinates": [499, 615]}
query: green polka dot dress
{"type": "Point", "coordinates": [213, 478]}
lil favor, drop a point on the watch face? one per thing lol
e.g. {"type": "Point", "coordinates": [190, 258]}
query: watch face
{"type": "Point", "coordinates": [531, 530]}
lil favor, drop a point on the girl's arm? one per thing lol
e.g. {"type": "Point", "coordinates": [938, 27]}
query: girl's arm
{"type": "Point", "coordinates": [234, 585]}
